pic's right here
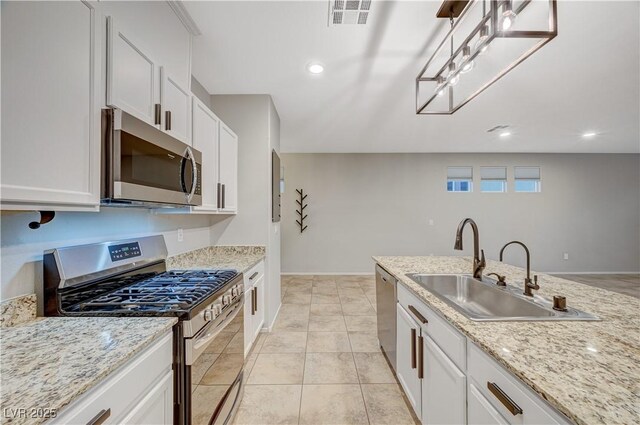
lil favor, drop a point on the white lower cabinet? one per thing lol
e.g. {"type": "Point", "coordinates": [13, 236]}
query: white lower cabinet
{"type": "Point", "coordinates": [454, 381]}
{"type": "Point", "coordinates": [480, 411]}
{"type": "Point", "coordinates": [408, 332]}
{"type": "Point", "coordinates": [140, 392]}
{"type": "Point", "coordinates": [253, 304]}
{"type": "Point", "coordinates": [444, 392]}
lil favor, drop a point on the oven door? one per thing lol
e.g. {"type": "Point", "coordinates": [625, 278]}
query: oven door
{"type": "Point", "coordinates": [214, 360]}
{"type": "Point", "coordinates": [145, 165]}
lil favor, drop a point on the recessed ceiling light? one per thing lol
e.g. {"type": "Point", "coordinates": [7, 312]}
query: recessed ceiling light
{"type": "Point", "coordinates": [315, 68]}
{"type": "Point", "coordinates": [505, 134]}
{"type": "Point", "coordinates": [589, 134]}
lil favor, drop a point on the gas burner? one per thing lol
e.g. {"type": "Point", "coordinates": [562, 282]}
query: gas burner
{"type": "Point", "coordinates": [172, 292]}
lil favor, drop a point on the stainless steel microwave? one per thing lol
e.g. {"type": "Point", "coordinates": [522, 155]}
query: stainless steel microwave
{"type": "Point", "coordinates": [142, 165]}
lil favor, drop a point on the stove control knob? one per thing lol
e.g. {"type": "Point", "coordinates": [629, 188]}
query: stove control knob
{"type": "Point", "coordinates": [239, 289]}
{"type": "Point", "coordinates": [226, 299]}
{"type": "Point", "coordinates": [216, 309]}
{"type": "Point", "coordinates": [208, 315]}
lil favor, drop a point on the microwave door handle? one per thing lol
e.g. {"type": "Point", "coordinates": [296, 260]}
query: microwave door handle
{"type": "Point", "coordinates": [194, 175]}
{"type": "Point", "coordinates": [188, 154]}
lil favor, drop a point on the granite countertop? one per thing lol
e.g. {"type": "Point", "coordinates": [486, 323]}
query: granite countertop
{"type": "Point", "coordinates": [240, 258]}
{"type": "Point", "coordinates": [49, 362]}
{"type": "Point", "coordinates": [590, 371]}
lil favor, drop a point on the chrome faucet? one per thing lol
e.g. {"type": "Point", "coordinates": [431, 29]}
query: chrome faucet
{"type": "Point", "coordinates": [479, 262]}
{"type": "Point", "coordinates": [528, 284]}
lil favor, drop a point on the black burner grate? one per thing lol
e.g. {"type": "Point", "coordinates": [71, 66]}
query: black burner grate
{"type": "Point", "coordinates": [174, 292]}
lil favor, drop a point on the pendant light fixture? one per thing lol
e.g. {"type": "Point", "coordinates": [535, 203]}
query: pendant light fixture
{"type": "Point", "coordinates": [447, 67]}
{"type": "Point", "coordinates": [441, 86]}
{"type": "Point", "coordinates": [508, 16]}
{"type": "Point", "coordinates": [467, 62]}
{"type": "Point", "coordinates": [482, 44]}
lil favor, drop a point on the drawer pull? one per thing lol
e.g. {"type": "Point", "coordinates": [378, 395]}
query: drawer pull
{"type": "Point", "coordinates": [419, 316]}
{"type": "Point", "coordinates": [504, 399]}
{"type": "Point", "coordinates": [413, 348]}
{"type": "Point", "coordinates": [253, 275]}
{"type": "Point", "coordinates": [100, 417]}
{"type": "Point", "coordinates": [420, 357]}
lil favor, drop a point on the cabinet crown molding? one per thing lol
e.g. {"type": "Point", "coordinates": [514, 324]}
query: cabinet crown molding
{"type": "Point", "coordinates": [184, 16]}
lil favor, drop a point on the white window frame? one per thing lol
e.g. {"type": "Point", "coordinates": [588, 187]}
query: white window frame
{"type": "Point", "coordinates": [494, 176]}
{"type": "Point", "coordinates": [455, 174]}
{"type": "Point", "coordinates": [529, 177]}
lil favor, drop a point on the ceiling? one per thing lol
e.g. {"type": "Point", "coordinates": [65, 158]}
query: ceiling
{"type": "Point", "coordinates": [586, 79]}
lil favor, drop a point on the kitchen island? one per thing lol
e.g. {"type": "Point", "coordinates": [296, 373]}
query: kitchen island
{"type": "Point", "coordinates": [48, 363]}
{"type": "Point", "coordinates": [588, 371]}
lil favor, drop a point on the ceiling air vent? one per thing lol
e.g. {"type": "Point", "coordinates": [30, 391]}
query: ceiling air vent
{"type": "Point", "coordinates": [348, 12]}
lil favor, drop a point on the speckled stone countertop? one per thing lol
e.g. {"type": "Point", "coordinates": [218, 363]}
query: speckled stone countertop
{"type": "Point", "coordinates": [49, 362]}
{"type": "Point", "coordinates": [240, 258]}
{"type": "Point", "coordinates": [590, 371]}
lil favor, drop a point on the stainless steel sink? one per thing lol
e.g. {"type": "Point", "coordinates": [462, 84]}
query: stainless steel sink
{"type": "Point", "coordinates": [485, 301]}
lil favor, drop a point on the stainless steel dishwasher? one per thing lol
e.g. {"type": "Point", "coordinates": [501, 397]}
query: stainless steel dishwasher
{"type": "Point", "coordinates": [386, 307]}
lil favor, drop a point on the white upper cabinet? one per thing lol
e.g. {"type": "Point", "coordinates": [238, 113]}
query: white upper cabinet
{"type": "Point", "coordinates": [204, 138]}
{"type": "Point", "coordinates": [228, 172]}
{"type": "Point", "coordinates": [176, 107]}
{"type": "Point", "coordinates": [137, 84]}
{"type": "Point", "coordinates": [131, 75]}
{"type": "Point", "coordinates": [51, 62]}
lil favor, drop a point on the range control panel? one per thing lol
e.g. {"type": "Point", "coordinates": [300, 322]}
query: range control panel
{"type": "Point", "coordinates": [124, 251]}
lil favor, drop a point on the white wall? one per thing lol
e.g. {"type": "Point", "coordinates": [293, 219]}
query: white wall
{"type": "Point", "coordinates": [22, 248]}
{"type": "Point", "coordinates": [254, 119]}
{"type": "Point", "coordinates": [379, 204]}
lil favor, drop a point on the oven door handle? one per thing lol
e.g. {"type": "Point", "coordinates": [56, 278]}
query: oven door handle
{"type": "Point", "coordinates": [195, 346]}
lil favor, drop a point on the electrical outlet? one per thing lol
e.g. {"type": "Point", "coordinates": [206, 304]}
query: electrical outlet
{"type": "Point", "coordinates": [180, 235]}
{"type": "Point", "coordinates": [565, 256]}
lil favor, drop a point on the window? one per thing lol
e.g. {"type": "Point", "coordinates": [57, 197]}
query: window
{"type": "Point", "coordinates": [527, 179]}
{"type": "Point", "coordinates": [493, 179]}
{"type": "Point", "coordinates": [459, 179]}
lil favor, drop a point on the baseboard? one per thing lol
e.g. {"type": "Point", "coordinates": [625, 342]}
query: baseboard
{"type": "Point", "coordinates": [270, 327]}
{"type": "Point", "coordinates": [327, 274]}
{"type": "Point", "coordinates": [561, 273]}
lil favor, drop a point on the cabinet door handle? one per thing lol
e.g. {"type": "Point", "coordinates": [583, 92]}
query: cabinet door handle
{"type": "Point", "coordinates": [413, 348]}
{"type": "Point", "coordinates": [219, 195]}
{"type": "Point", "coordinates": [100, 417]}
{"type": "Point", "coordinates": [504, 398]}
{"type": "Point", "coordinates": [253, 301]}
{"type": "Point", "coordinates": [419, 316]}
{"type": "Point", "coordinates": [420, 357]}
{"type": "Point", "coordinates": [158, 113]}
{"type": "Point", "coordinates": [223, 194]}
{"type": "Point", "coordinates": [256, 289]}
{"type": "Point", "coordinates": [167, 120]}
{"type": "Point", "coordinates": [253, 275]}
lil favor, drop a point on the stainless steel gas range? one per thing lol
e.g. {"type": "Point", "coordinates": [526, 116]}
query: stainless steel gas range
{"type": "Point", "coordinates": [129, 278]}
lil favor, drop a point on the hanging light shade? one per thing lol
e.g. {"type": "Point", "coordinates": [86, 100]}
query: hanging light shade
{"type": "Point", "coordinates": [463, 57]}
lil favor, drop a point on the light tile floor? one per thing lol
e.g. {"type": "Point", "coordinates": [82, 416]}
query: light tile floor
{"type": "Point", "coordinates": [322, 363]}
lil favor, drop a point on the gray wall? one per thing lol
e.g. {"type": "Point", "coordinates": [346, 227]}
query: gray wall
{"type": "Point", "coordinates": [200, 92]}
{"type": "Point", "coordinates": [255, 120]}
{"type": "Point", "coordinates": [380, 204]}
